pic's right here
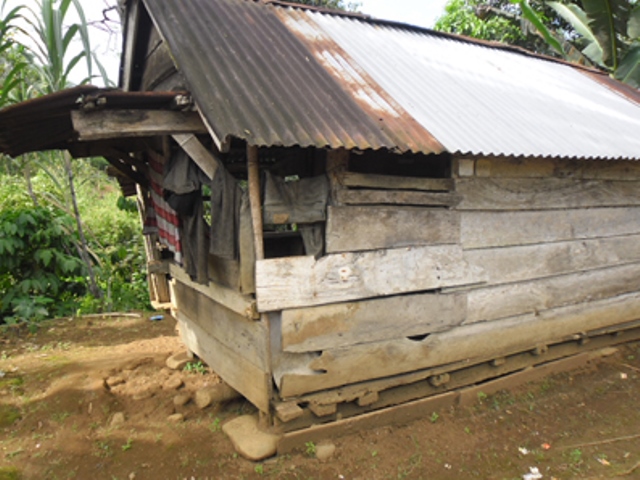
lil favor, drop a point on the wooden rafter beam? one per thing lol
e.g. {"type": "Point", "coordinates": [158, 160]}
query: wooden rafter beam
{"type": "Point", "coordinates": [111, 124]}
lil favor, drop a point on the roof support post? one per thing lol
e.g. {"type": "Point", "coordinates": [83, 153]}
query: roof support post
{"type": "Point", "coordinates": [253, 168]}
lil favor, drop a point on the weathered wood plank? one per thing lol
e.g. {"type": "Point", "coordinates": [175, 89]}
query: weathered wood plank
{"type": "Point", "coordinates": [231, 299]}
{"type": "Point", "coordinates": [344, 324]}
{"type": "Point", "coordinates": [397, 197]}
{"type": "Point", "coordinates": [528, 262]}
{"type": "Point", "coordinates": [236, 332]}
{"type": "Point", "coordinates": [391, 182]}
{"type": "Point", "coordinates": [545, 193]}
{"type": "Point", "coordinates": [294, 282]}
{"type": "Point", "coordinates": [242, 375]}
{"type": "Point", "coordinates": [205, 159]}
{"type": "Point", "coordinates": [550, 167]}
{"type": "Point", "coordinates": [348, 365]}
{"type": "Point", "coordinates": [401, 415]}
{"type": "Point", "coordinates": [351, 229]}
{"type": "Point", "coordinates": [105, 124]}
{"type": "Point", "coordinates": [502, 301]}
{"type": "Point", "coordinates": [499, 229]}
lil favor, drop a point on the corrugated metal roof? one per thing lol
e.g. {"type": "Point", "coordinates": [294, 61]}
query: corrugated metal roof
{"type": "Point", "coordinates": [252, 78]}
{"type": "Point", "coordinates": [276, 74]}
{"type": "Point", "coordinates": [484, 100]}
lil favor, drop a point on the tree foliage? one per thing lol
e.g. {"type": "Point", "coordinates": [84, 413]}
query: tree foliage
{"type": "Point", "coordinates": [38, 265]}
{"type": "Point", "coordinates": [603, 33]}
{"type": "Point", "coordinates": [47, 263]}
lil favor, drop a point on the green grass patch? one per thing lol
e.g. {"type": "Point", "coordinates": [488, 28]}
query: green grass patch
{"type": "Point", "coordinates": [8, 416]}
{"type": "Point", "coordinates": [9, 473]}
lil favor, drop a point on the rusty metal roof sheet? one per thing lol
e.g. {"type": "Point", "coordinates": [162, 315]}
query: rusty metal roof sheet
{"type": "Point", "coordinates": [277, 74]}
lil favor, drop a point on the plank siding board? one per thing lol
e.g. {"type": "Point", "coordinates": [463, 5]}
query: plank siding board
{"type": "Point", "coordinates": [344, 324]}
{"type": "Point", "coordinates": [548, 167]}
{"type": "Point", "coordinates": [294, 282]}
{"type": "Point", "coordinates": [370, 228]}
{"type": "Point", "coordinates": [499, 229]}
{"type": "Point", "coordinates": [528, 262]}
{"type": "Point", "coordinates": [502, 301]}
{"type": "Point", "coordinates": [245, 337]}
{"type": "Point", "coordinates": [353, 364]}
{"type": "Point", "coordinates": [389, 182]}
{"type": "Point", "coordinates": [229, 298]}
{"type": "Point", "coordinates": [232, 366]}
{"type": "Point", "coordinates": [547, 193]}
{"type": "Point", "coordinates": [397, 197]}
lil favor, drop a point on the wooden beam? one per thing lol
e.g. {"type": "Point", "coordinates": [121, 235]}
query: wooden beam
{"type": "Point", "coordinates": [244, 336]}
{"type": "Point", "coordinates": [253, 167]}
{"type": "Point", "coordinates": [390, 182]}
{"type": "Point", "coordinates": [343, 324]}
{"type": "Point", "coordinates": [227, 297]}
{"type": "Point", "coordinates": [106, 124]}
{"type": "Point", "coordinates": [205, 159]}
{"type": "Point", "coordinates": [491, 303]}
{"type": "Point", "coordinates": [499, 229]}
{"type": "Point", "coordinates": [397, 197]}
{"type": "Point", "coordinates": [504, 337]}
{"type": "Point", "coordinates": [544, 193]}
{"type": "Point", "coordinates": [252, 382]}
{"type": "Point", "coordinates": [559, 168]}
{"type": "Point", "coordinates": [401, 415]}
{"type": "Point", "coordinates": [529, 262]}
{"type": "Point", "coordinates": [354, 228]}
{"type": "Point", "coordinates": [294, 282]}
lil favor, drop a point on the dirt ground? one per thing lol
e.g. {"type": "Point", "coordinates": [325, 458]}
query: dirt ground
{"type": "Point", "coordinates": [59, 421]}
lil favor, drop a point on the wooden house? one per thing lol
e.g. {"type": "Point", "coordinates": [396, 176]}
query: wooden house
{"type": "Point", "coordinates": [347, 215]}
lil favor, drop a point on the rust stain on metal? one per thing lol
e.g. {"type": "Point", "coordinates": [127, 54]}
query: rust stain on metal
{"type": "Point", "coordinates": [392, 118]}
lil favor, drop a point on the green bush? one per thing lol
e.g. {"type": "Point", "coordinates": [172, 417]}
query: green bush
{"type": "Point", "coordinates": [40, 271]}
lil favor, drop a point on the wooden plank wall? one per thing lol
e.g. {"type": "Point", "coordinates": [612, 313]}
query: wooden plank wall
{"type": "Point", "coordinates": [236, 348]}
{"type": "Point", "coordinates": [535, 252]}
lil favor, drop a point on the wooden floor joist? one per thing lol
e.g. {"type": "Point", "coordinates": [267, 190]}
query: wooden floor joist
{"type": "Point", "coordinates": [407, 402]}
{"type": "Point", "coordinates": [422, 408]}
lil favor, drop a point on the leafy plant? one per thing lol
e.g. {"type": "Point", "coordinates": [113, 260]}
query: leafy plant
{"type": "Point", "coordinates": [196, 367]}
{"type": "Point", "coordinates": [128, 445]}
{"type": "Point", "coordinates": [310, 449]}
{"type": "Point", "coordinates": [39, 268]}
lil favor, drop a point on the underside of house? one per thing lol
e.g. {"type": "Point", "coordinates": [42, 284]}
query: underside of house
{"type": "Point", "coordinates": [348, 215]}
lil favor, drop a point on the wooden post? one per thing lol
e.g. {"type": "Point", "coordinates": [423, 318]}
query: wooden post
{"type": "Point", "coordinates": [253, 167]}
{"type": "Point", "coordinates": [337, 164]}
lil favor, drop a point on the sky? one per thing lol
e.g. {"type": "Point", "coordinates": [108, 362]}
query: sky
{"type": "Point", "coordinates": [107, 46]}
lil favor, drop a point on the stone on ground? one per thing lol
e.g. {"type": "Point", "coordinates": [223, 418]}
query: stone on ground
{"type": "Point", "coordinates": [248, 440]}
{"type": "Point", "coordinates": [176, 418]}
{"type": "Point", "coordinates": [216, 394]}
{"type": "Point", "coordinates": [181, 399]}
{"type": "Point", "coordinates": [325, 450]}
{"type": "Point", "coordinates": [117, 419]}
{"type": "Point", "coordinates": [172, 383]}
{"type": "Point", "coordinates": [178, 361]}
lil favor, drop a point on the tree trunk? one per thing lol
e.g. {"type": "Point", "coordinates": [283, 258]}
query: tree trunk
{"type": "Point", "coordinates": [27, 177]}
{"type": "Point", "coordinates": [84, 250]}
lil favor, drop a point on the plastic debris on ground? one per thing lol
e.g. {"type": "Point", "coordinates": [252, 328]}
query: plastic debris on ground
{"type": "Point", "coordinates": [156, 318]}
{"type": "Point", "coordinates": [523, 451]}
{"type": "Point", "coordinates": [534, 474]}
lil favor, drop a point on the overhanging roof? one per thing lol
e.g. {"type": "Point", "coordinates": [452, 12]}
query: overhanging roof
{"type": "Point", "coordinates": [47, 123]}
{"type": "Point", "coordinates": [276, 74]}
